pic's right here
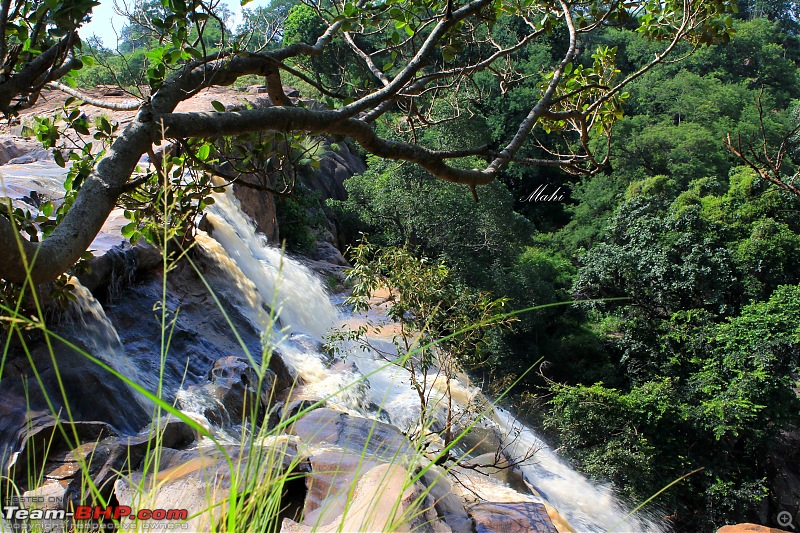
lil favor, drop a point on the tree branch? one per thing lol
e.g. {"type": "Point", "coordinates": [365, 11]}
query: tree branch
{"type": "Point", "coordinates": [127, 105]}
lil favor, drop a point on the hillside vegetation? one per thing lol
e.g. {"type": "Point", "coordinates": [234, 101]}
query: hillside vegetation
{"type": "Point", "coordinates": [682, 353]}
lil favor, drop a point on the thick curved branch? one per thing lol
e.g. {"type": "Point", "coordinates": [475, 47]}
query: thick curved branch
{"type": "Point", "coordinates": [127, 105]}
{"type": "Point", "coordinates": [180, 125]}
{"type": "Point", "coordinates": [417, 62]}
{"type": "Point", "coordinates": [419, 85]}
{"type": "Point", "coordinates": [542, 105]}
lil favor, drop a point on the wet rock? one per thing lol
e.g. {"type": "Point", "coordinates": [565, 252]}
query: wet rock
{"type": "Point", "coordinates": [307, 343]}
{"type": "Point", "coordinates": [104, 461]}
{"type": "Point", "coordinates": [232, 394]}
{"type": "Point", "coordinates": [523, 517]}
{"type": "Point", "coordinates": [236, 385]}
{"type": "Point", "coordinates": [480, 440]}
{"type": "Point", "coordinates": [283, 411]}
{"type": "Point", "coordinates": [370, 439]}
{"type": "Point", "coordinates": [27, 448]}
{"type": "Point", "coordinates": [202, 332]}
{"type": "Point", "coordinates": [497, 465]}
{"type": "Point", "coordinates": [118, 267]}
{"type": "Point", "coordinates": [260, 207]}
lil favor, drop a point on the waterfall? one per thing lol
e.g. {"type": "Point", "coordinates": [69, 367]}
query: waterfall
{"type": "Point", "coordinates": [262, 277]}
{"type": "Point", "coordinates": [588, 506]}
{"type": "Point", "coordinates": [92, 326]}
{"type": "Point", "coordinates": [300, 302]}
{"type": "Point", "coordinates": [259, 277]}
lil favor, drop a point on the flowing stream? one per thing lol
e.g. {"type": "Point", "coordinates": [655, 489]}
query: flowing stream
{"type": "Point", "coordinates": [287, 302]}
{"type": "Point", "coordinates": [261, 275]}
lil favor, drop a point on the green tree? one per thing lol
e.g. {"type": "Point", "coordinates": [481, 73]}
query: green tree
{"type": "Point", "coordinates": [718, 405]}
{"type": "Point", "coordinates": [417, 51]}
{"type": "Point", "coordinates": [443, 327]}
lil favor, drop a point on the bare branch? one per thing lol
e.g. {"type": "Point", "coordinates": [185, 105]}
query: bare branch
{"type": "Point", "coordinates": [127, 105]}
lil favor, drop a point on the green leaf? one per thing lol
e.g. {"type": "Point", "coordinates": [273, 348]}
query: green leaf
{"type": "Point", "coordinates": [218, 106]}
{"type": "Point", "coordinates": [129, 229]}
{"type": "Point", "coordinates": [81, 127]}
{"type": "Point", "coordinates": [204, 152]}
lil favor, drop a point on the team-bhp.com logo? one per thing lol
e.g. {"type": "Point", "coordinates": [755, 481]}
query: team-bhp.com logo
{"type": "Point", "coordinates": [93, 512]}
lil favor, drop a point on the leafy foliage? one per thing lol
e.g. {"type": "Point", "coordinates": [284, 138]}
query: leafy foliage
{"type": "Point", "coordinates": [443, 326]}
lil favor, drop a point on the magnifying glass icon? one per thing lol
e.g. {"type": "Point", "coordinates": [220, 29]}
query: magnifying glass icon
{"type": "Point", "coordinates": [785, 519]}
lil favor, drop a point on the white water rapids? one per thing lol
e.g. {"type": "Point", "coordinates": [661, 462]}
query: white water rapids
{"type": "Point", "coordinates": [259, 274]}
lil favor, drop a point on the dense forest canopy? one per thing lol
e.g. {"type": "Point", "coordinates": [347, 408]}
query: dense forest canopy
{"type": "Point", "coordinates": [686, 360]}
{"type": "Point", "coordinates": [367, 59]}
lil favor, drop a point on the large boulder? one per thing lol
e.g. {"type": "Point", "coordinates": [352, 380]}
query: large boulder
{"type": "Point", "coordinates": [200, 481]}
{"type": "Point", "coordinates": [48, 379]}
{"type": "Point", "coordinates": [748, 528]}
{"type": "Point", "coordinates": [383, 499]}
{"type": "Point", "coordinates": [370, 439]}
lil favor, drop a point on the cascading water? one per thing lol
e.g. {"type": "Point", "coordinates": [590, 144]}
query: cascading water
{"type": "Point", "coordinates": [264, 278]}
{"type": "Point", "coordinates": [93, 327]}
{"type": "Point", "coordinates": [588, 506]}
{"type": "Point", "coordinates": [258, 274]}
{"type": "Point", "coordinates": [297, 295]}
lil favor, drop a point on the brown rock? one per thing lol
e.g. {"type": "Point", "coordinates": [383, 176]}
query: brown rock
{"type": "Point", "coordinates": [370, 439]}
{"type": "Point", "coordinates": [329, 484]}
{"type": "Point", "coordinates": [200, 481]}
{"type": "Point", "coordinates": [382, 500]}
{"type": "Point", "coordinates": [522, 517]}
{"type": "Point", "coordinates": [260, 207]}
{"type": "Point", "coordinates": [748, 528]}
